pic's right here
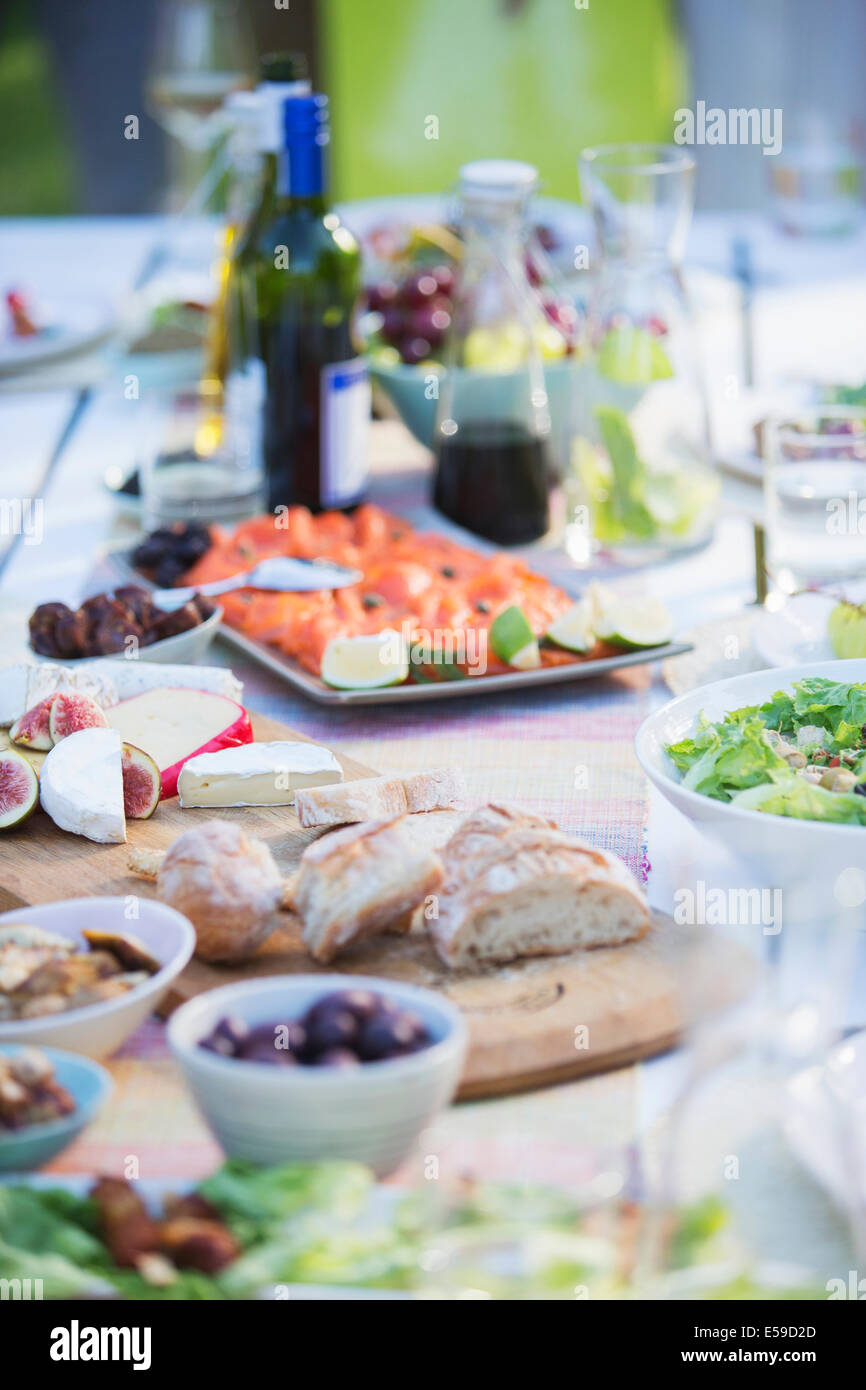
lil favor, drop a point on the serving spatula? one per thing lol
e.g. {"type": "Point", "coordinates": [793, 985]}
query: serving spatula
{"type": "Point", "coordinates": [281, 573]}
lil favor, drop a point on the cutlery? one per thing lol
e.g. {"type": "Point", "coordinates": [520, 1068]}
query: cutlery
{"type": "Point", "coordinates": [281, 573]}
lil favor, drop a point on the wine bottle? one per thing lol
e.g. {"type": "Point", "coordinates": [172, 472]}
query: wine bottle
{"type": "Point", "coordinates": [307, 280]}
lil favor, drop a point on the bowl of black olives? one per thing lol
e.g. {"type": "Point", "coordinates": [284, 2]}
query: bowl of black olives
{"type": "Point", "coordinates": [306, 1067]}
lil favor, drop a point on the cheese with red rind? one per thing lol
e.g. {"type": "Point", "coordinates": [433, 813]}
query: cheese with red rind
{"type": "Point", "coordinates": [174, 724]}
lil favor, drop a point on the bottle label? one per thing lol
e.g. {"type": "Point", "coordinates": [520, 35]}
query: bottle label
{"type": "Point", "coordinates": [345, 418]}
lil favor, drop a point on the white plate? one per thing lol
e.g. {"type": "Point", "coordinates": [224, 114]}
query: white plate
{"type": "Point", "coordinates": [72, 326]}
{"type": "Point", "coordinates": [826, 1121]}
{"type": "Point", "coordinates": [797, 632]}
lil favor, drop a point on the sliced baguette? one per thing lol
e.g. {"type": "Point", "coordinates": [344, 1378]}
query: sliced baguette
{"type": "Point", "coordinates": [516, 886]}
{"type": "Point", "coordinates": [380, 798]}
{"type": "Point", "coordinates": [360, 881]}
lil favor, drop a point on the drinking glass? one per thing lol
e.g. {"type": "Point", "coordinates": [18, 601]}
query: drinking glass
{"type": "Point", "coordinates": [815, 496]}
{"type": "Point", "coordinates": [203, 51]}
{"type": "Point", "coordinates": [198, 462]}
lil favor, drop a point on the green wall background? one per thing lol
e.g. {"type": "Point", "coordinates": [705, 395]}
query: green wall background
{"type": "Point", "coordinates": [523, 79]}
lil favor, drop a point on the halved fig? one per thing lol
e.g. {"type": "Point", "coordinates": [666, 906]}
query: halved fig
{"type": "Point", "coordinates": [142, 783]}
{"type": "Point", "coordinates": [70, 714]}
{"type": "Point", "coordinates": [128, 950]}
{"type": "Point", "coordinates": [33, 729]}
{"type": "Point", "coordinates": [19, 789]}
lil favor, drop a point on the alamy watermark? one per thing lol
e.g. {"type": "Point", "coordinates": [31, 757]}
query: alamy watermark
{"type": "Point", "coordinates": [449, 646]}
{"type": "Point", "coordinates": [23, 516]}
{"type": "Point", "coordinates": [738, 126]}
{"type": "Point", "coordinates": [729, 907]}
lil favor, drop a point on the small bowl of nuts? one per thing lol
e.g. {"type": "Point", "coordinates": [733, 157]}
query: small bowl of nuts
{"type": "Point", "coordinates": [46, 1099]}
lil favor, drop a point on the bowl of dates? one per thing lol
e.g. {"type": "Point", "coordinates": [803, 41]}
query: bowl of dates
{"type": "Point", "coordinates": [124, 622]}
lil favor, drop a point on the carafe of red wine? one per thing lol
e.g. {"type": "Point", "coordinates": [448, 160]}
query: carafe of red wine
{"type": "Point", "coordinates": [493, 433]}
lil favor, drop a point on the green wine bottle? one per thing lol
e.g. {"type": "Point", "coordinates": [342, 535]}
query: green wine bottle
{"type": "Point", "coordinates": [282, 75]}
{"type": "Point", "coordinates": [307, 280]}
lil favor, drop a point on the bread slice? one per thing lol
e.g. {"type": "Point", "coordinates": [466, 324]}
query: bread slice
{"type": "Point", "coordinates": [380, 798]}
{"type": "Point", "coordinates": [360, 881]}
{"type": "Point", "coordinates": [515, 886]}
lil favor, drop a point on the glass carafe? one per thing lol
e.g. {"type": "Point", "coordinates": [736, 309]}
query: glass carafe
{"type": "Point", "coordinates": [493, 443]}
{"type": "Point", "coordinates": [640, 483]}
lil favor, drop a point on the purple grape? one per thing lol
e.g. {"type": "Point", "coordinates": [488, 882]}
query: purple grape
{"type": "Point", "coordinates": [430, 321]}
{"type": "Point", "coordinates": [393, 325]}
{"type": "Point", "coordinates": [444, 277]}
{"type": "Point", "coordinates": [380, 297]}
{"type": "Point", "coordinates": [418, 288]}
{"type": "Point", "coordinates": [415, 350]}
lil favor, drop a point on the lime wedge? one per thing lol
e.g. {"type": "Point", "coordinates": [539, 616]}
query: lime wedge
{"type": "Point", "coordinates": [363, 663]}
{"type": "Point", "coordinates": [635, 623]}
{"type": "Point", "coordinates": [574, 629]}
{"type": "Point", "coordinates": [633, 356]}
{"type": "Point", "coordinates": [512, 639]}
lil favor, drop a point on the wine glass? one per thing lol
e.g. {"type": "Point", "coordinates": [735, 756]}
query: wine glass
{"type": "Point", "coordinates": [202, 52]}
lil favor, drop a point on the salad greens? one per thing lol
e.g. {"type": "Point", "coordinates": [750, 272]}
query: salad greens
{"type": "Point", "coordinates": [318, 1223]}
{"type": "Point", "coordinates": [737, 759]}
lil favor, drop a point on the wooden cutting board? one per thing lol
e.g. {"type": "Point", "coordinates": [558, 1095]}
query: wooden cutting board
{"type": "Point", "coordinates": [531, 1023]}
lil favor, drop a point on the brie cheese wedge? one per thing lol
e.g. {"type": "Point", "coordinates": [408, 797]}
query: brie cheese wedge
{"type": "Point", "coordinates": [81, 786]}
{"type": "Point", "coordinates": [256, 774]}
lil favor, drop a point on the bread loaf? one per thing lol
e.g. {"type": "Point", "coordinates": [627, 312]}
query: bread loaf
{"type": "Point", "coordinates": [515, 885]}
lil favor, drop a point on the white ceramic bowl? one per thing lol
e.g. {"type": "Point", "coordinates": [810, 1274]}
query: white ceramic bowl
{"type": "Point", "coordinates": [372, 1113]}
{"type": "Point", "coordinates": [98, 1029]}
{"type": "Point", "coordinates": [185, 648]}
{"type": "Point", "coordinates": [780, 849]}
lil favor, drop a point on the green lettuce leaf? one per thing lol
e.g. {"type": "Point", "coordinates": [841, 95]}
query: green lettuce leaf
{"type": "Point", "coordinates": [802, 800]}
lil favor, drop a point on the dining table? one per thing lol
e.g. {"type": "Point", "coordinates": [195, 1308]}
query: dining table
{"type": "Point", "coordinates": [564, 751]}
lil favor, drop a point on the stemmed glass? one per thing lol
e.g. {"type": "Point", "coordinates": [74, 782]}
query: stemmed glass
{"type": "Point", "coordinates": [727, 1132]}
{"type": "Point", "coordinates": [203, 51]}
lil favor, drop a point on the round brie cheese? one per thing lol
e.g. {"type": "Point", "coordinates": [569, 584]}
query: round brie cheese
{"type": "Point", "coordinates": [81, 785]}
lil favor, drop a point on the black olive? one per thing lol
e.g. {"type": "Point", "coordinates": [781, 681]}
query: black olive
{"type": "Point", "coordinates": [372, 601]}
{"type": "Point", "coordinates": [482, 606]}
{"type": "Point", "coordinates": [447, 572]}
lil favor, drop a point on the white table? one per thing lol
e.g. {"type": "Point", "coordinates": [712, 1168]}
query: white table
{"type": "Point", "coordinates": [107, 256]}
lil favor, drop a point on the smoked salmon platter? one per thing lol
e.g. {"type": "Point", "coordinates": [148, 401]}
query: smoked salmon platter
{"type": "Point", "coordinates": [465, 621]}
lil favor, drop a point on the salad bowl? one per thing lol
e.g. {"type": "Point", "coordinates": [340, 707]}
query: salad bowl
{"type": "Point", "coordinates": [781, 848]}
